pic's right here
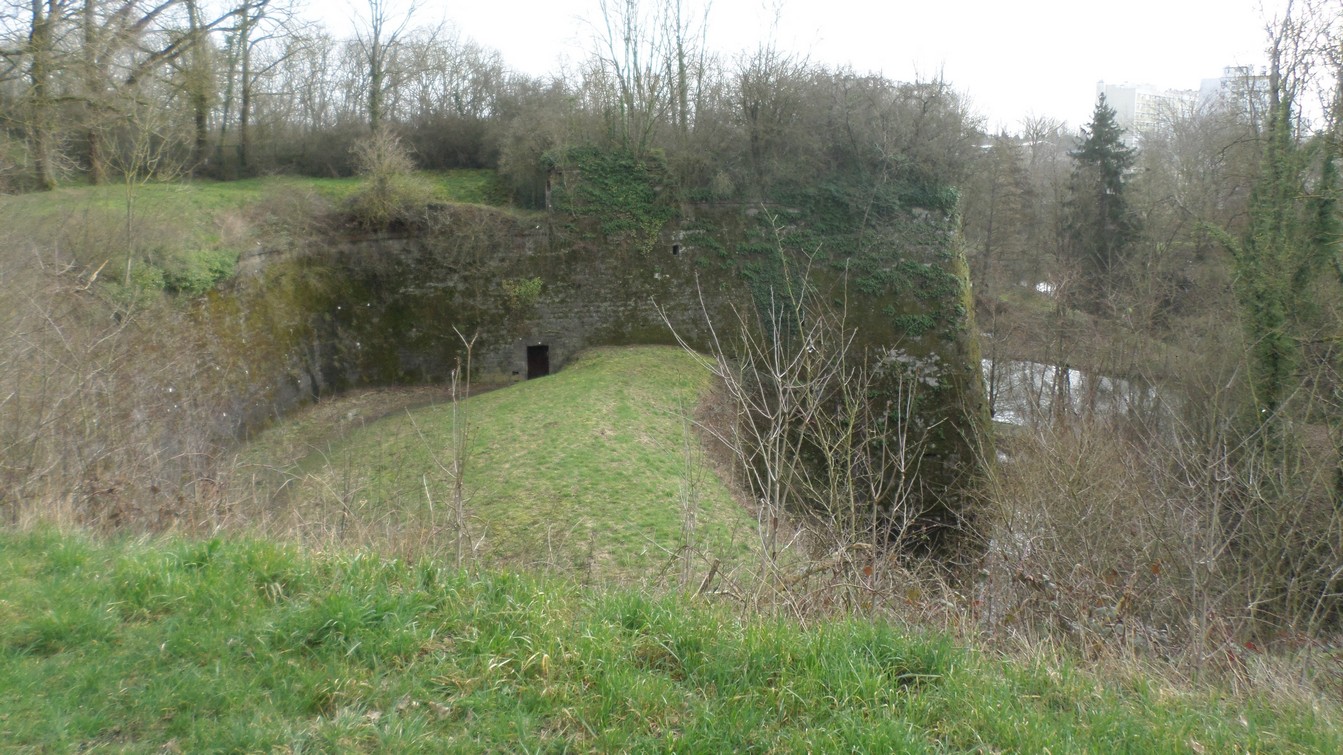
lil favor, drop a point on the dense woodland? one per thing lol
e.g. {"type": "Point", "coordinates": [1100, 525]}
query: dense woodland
{"type": "Point", "coordinates": [92, 90]}
{"type": "Point", "coordinates": [1200, 259]}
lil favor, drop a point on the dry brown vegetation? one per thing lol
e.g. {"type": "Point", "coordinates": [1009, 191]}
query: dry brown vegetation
{"type": "Point", "coordinates": [1099, 534]}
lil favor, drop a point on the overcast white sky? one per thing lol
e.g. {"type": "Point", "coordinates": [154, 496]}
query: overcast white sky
{"type": "Point", "coordinates": [1013, 59]}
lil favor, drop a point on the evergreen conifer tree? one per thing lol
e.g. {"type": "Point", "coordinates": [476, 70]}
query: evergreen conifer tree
{"type": "Point", "coordinates": [1101, 228]}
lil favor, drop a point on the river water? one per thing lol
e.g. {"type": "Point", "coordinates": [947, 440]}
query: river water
{"type": "Point", "coordinates": [1023, 393]}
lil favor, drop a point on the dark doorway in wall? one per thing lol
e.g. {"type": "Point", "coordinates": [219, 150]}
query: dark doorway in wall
{"type": "Point", "coordinates": [538, 361]}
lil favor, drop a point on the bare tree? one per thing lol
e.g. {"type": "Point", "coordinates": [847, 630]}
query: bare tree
{"type": "Point", "coordinates": [197, 73]}
{"type": "Point", "coordinates": [149, 139]}
{"type": "Point", "coordinates": [685, 30]}
{"type": "Point", "coordinates": [769, 92]}
{"type": "Point", "coordinates": [38, 47]}
{"type": "Point", "coordinates": [378, 36]}
{"type": "Point", "coordinates": [80, 58]}
{"type": "Point", "coordinates": [256, 23]}
{"type": "Point", "coordinates": [135, 40]}
{"type": "Point", "coordinates": [633, 41]}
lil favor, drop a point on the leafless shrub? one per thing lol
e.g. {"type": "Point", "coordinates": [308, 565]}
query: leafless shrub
{"type": "Point", "coordinates": [452, 464]}
{"type": "Point", "coordinates": [392, 195]}
{"type": "Point", "coordinates": [291, 216]}
{"type": "Point", "coordinates": [1081, 543]}
{"type": "Point", "coordinates": [110, 413]}
{"type": "Point", "coordinates": [1183, 546]}
{"type": "Point", "coordinates": [832, 473]}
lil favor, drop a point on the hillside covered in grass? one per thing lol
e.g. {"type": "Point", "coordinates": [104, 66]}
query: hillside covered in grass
{"type": "Point", "coordinates": [598, 470]}
{"type": "Point", "coordinates": [248, 646]}
{"type": "Point", "coordinates": [188, 236]}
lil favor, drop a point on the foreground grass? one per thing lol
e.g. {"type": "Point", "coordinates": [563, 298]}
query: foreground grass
{"type": "Point", "coordinates": [245, 646]}
{"type": "Point", "coordinates": [585, 472]}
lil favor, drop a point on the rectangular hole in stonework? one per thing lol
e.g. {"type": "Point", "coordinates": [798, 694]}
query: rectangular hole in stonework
{"type": "Point", "coordinates": [538, 361]}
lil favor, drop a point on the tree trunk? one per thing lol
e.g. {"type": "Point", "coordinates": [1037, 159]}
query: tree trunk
{"type": "Point", "coordinates": [375, 79]}
{"type": "Point", "coordinates": [201, 106]}
{"type": "Point", "coordinates": [93, 96]}
{"type": "Point", "coordinates": [198, 76]}
{"type": "Point", "coordinates": [245, 103]}
{"type": "Point", "coordinates": [39, 73]}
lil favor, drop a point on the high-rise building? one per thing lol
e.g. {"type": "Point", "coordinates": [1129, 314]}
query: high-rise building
{"type": "Point", "coordinates": [1239, 88]}
{"type": "Point", "coordinates": [1140, 108]}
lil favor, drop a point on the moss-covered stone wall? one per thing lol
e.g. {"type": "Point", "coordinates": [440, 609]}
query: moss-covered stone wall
{"type": "Point", "coordinates": [387, 309]}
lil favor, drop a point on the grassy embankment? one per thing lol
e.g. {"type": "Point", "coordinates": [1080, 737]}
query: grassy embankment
{"type": "Point", "coordinates": [593, 471]}
{"type": "Point", "coordinates": [196, 206]}
{"type": "Point", "coordinates": [246, 646]}
{"type": "Point", "coordinates": [186, 236]}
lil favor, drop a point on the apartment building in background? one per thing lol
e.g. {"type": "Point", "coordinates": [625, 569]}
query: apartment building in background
{"type": "Point", "coordinates": [1140, 108]}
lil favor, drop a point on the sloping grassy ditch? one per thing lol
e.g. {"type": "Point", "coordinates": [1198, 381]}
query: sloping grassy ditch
{"type": "Point", "coordinates": [247, 646]}
{"type": "Point", "coordinates": [592, 471]}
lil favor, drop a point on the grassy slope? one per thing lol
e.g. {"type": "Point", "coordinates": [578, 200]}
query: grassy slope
{"type": "Point", "coordinates": [582, 471]}
{"type": "Point", "coordinates": [192, 198]}
{"type": "Point", "coordinates": [197, 211]}
{"type": "Point", "coordinates": [245, 646]}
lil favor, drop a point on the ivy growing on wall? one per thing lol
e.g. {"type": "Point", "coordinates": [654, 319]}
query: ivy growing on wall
{"type": "Point", "coordinates": [890, 241]}
{"type": "Point", "coordinates": [624, 194]}
{"type": "Point", "coordinates": [521, 293]}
